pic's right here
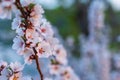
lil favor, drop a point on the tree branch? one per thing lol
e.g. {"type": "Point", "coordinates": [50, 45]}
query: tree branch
{"type": "Point", "coordinates": [37, 63]}
{"type": "Point", "coordinates": [24, 15]}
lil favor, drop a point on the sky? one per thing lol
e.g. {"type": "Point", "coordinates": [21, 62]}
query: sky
{"type": "Point", "coordinates": [115, 4]}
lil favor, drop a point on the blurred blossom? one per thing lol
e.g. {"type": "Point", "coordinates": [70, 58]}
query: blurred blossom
{"type": "Point", "coordinates": [115, 76]}
{"type": "Point", "coordinates": [118, 38]}
{"type": "Point", "coordinates": [116, 59]}
{"type": "Point", "coordinates": [70, 41]}
{"type": "Point", "coordinates": [95, 58]}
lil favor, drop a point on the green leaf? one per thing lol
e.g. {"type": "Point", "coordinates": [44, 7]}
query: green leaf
{"type": "Point", "coordinates": [31, 6]}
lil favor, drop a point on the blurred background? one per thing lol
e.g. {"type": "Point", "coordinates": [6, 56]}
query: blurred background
{"type": "Point", "coordinates": [89, 30]}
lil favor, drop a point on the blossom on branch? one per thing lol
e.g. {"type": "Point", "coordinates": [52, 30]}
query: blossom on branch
{"type": "Point", "coordinates": [34, 40]}
{"type": "Point", "coordinates": [6, 7]}
{"type": "Point", "coordinates": [13, 71]}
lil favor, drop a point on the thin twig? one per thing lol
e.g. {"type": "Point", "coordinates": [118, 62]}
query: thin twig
{"type": "Point", "coordinates": [37, 63]}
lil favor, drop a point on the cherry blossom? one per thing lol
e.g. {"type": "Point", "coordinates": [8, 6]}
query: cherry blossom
{"type": "Point", "coordinates": [16, 67]}
{"type": "Point", "coordinates": [19, 44]}
{"type": "Point", "coordinates": [46, 30]}
{"type": "Point", "coordinates": [44, 49]}
{"type": "Point", "coordinates": [28, 56]}
{"type": "Point", "coordinates": [35, 39]}
{"type": "Point", "coordinates": [16, 23]}
{"type": "Point", "coordinates": [68, 74]}
{"type": "Point", "coordinates": [13, 71]}
{"type": "Point", "coordinates": [35, 15]}
{"type": "Point", "coordinates": [55, 69]}
{"type": "Point", "coordinates": [60, 54]}
{"type": "Point", "coordinates": [6, 9]}
{"type": "Point", "coordinates": [48, 79]}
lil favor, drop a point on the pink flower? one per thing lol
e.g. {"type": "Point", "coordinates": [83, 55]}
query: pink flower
{"type": "Point", "coordinates": [32, 37]}
{"type": "Point", "coordinates": [68, 74]}
{"type": "Point", "coordinates": [6, 9]}
{"type": "Point", "coordinates": [28, 56]}
{"type": "Point", "coordinates": [44, 49]}
{"type": "Point", "coordinates": [16, 67]}
{"type": "Point", "coordinates": [16, 23]}
{"type": "Point", "coordinates": [52, 41]}
{"type": "Point", "coordinates": [60, 53]}
{"type": "Point", "coordinates": [36, 15]}
{"type": "Point", "coordinates": [46, 29]}
{"type": "Point", "coordinates": [30, 33]}
{"type": "Point", "coordinates": [55, 69]}
{"type": "Point", "coordinates": [18, 45]}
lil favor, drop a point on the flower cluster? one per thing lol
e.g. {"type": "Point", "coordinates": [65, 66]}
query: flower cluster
{"type": "Point", "coordinates": [59, 65]}
{"type": "Point", "coordinates": [62, 72]}
{"type": "Point", "coordinates": [35, 39]}
{"type": "Point", "coordinates": [95, 61]}
{"type": "Point", "coordinates": [34, 33]}
{"type": "Point", "coordinates": [96, 14]}
{"type": "Point", "coordinates": [13, 71]}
